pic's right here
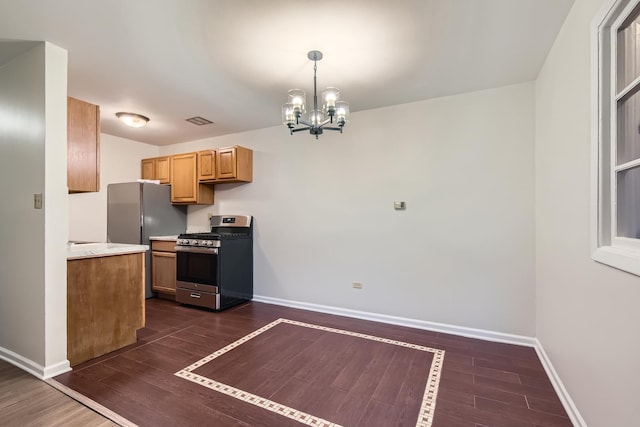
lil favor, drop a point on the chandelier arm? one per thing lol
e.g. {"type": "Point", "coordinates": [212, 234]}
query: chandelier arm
{"type": "Point", "coordinates": [300, 129]}
{"type": "Point", "coordinates": [326, 122]}
{"type": "Point", "coordinates": [330, 128]}
{"type": "Point", "coordinates": [302, 122]}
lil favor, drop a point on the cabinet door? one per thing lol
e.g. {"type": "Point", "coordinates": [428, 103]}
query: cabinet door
{"type": "Point", "coordinates": [163, 170]}
{"type": "Point", "coordinates": [83, 146]}
{"type": "Point", "coordinates": [163, 275]}
{"type": "Point", "coordinates": [206, 165]}
{"type": "Point", "coordinates": [226, 163]}
{"type": "Point", "coordinates": [148, 169]}
{"type": "Point", "coordinates": [185, 188]}
{"type": "Point", "coordinates": [234, 164]}
{"type": "Point", "coordinates": [184, 185]}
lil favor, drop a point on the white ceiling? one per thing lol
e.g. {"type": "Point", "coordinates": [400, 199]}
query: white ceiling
{"type": "Point", "coordinates": [232, 61]}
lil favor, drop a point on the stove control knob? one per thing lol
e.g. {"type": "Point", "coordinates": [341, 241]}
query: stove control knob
{"type": "Point", "coordinates": [209, 243]}
{"type": "Point", "coordinates": [193, 242]}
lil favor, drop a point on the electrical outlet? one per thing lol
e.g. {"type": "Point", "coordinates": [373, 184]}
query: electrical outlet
{"type": "Point", "coordinates": [357, 285]}
{"type": "Point", "coordinates": [209, 215]}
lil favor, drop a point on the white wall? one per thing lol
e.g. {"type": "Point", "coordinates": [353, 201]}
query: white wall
{"type": "Point", "coordinates": [55, 209]}
{"type": "Point", "coordinates": [119, 162]}
{"type": "Point", "coordinates": [587, 313]}
{"type": "Point", "coordinates": [463, 251]}
{"type": "Point", "coordinates": [32, 241]}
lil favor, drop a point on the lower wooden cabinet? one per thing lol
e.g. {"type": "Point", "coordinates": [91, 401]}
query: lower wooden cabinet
{"type": "Point", "coordinates": [163, 268]}
{"type": "Point", "coordinates": [105, 304]}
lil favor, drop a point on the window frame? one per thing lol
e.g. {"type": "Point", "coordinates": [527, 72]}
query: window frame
{"type": "Point", "coordinates": [607, 248]}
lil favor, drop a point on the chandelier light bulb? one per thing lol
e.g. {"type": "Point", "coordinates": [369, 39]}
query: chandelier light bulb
{"type": "Point", "coordinates": [288, 115]}
{"type": "Point", "coordinates": [297, 98]}
{"type": "Point", "coordinates": [330, 96]}
{"type": "Point", "coordinates": [316, 117]}
{"type": "Point", "coordinates": [342, 110]}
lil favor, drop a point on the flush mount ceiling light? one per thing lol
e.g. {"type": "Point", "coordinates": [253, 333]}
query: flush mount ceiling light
{"type": "Point", "coordinates": [336, 110]}
{"type": "Point", "coordinates": [132, 119]}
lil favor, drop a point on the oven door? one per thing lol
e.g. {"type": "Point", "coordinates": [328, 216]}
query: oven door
{"type": "Point", "coordinates": [197, 265]}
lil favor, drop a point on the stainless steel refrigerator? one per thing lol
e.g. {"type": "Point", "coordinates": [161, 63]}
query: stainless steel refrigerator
{"type": "Point", "coordinates": [138, 210]}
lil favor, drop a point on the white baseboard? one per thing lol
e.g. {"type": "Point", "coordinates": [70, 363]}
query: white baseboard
{"type": "Point", "coordinates": [567, 402]}
{"type": "Point", "coordinates": [35, 369]}
{"type": "Point", "coordinates": [404, 321]}
{"type": "Point", "coordinates": [56, 369]}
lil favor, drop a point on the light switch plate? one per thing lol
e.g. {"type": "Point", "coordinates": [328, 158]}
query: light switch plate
{"type": "Point", "coordinates": [37, 201]}
{"type": "Point", "coordinates": [399, 205]}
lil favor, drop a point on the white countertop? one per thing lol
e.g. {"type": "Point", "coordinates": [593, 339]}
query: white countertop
{"type": "Point", "coordinates": [167, 238]}
{"type": "Point", "coordinates": [91, 250]}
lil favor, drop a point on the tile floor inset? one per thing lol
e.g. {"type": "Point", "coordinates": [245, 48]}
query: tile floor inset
{"type": "Point", "coordinates": [280, 376]}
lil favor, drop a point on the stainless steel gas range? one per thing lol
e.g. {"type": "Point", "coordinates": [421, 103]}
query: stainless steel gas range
{"type": "Point", "coordinates": [215, 269]}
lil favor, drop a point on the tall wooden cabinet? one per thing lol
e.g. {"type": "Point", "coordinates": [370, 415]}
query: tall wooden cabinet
{"type": "Point", "coordinates": [157, 168]}
{"type": "Point", "coordinates": [185, 187]}
{"type": "Point", "coordinates": [83, 146]}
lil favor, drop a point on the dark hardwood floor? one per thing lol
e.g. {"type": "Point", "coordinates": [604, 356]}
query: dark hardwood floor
{"type": "Point", "coordinates": [193, 367]}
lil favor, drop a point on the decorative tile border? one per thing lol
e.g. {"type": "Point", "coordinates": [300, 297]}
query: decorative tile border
{"type": "Point", "coordinates": [427, 408]}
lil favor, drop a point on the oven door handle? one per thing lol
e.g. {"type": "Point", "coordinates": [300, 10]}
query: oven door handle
{"type": "Point", "coordinates": [193, 250]}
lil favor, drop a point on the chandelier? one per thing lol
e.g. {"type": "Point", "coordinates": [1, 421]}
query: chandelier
{"type": "Point", "coordinates": [332, 116]}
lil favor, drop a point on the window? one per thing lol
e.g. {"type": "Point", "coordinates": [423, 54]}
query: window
{"type": "Point", "coordinates": [616, 148]}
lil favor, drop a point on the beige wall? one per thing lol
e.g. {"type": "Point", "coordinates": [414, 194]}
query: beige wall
{"type": "Point", "coordinates": [462, 253]}
{"type": "Point", "coordinates": [32, 241]}
{"type": "Point", "coordinates": [587, 313]}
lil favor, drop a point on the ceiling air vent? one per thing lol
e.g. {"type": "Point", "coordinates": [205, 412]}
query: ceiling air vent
{"type": "Point", "coordinates": [200, 121]}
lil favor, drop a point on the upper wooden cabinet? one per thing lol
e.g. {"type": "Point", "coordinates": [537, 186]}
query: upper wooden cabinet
{"type": "Point", "coordinates": [148, 169]}
{"type": "Point", "coordinates": [228, 164]}
{"type": "Point", "coordinates": [192, 175]}
{"type": "Point", "coordinates": [185, 188]}
{"type": "Point", "coordinates": [207, 165]}
{"type": "Point", "coordinates": [157, 168]}
{"type": "Point", "coordinates": [83, 146]}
